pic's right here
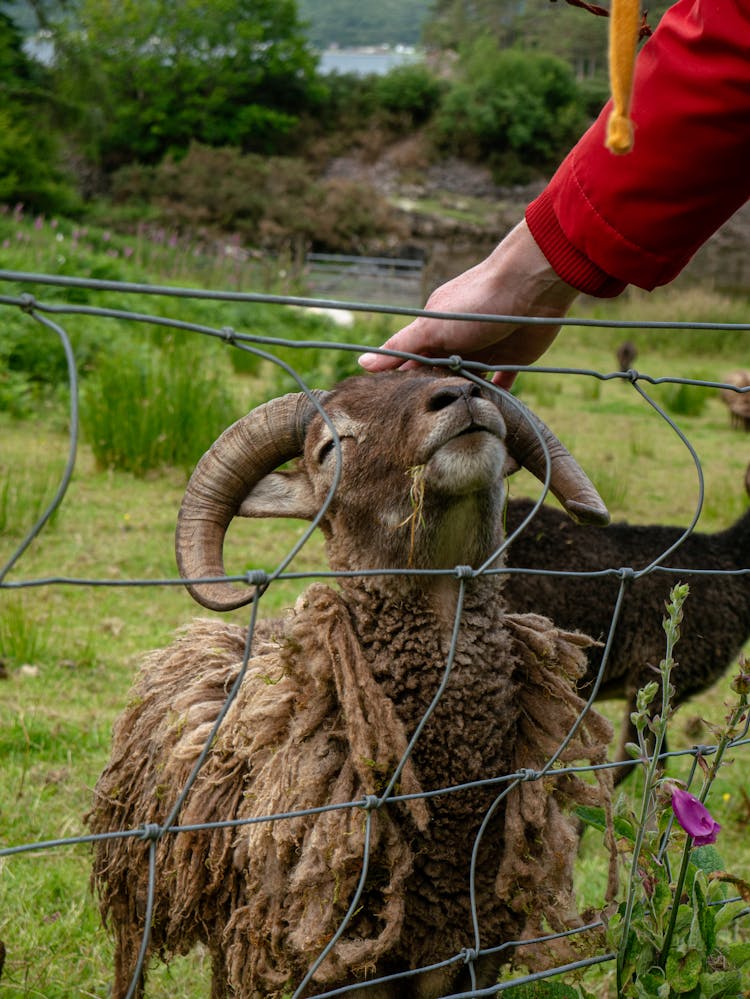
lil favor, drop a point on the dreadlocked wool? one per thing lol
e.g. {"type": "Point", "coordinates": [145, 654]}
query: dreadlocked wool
{"type": "Point", "coordinates": [318, 725]}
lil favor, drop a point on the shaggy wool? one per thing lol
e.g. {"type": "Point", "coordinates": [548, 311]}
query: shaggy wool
{"type": "Point", "coordinates": [311, 728]}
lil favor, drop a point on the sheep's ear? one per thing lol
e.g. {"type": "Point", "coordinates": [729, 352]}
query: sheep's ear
{"type": "Point", "coordinates": [281, 494]}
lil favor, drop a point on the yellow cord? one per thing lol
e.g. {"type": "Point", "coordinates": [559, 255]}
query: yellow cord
{"type": "Point", "coordinates": [623, 40]}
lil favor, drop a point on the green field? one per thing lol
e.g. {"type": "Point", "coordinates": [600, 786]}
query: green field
{"type": "Point", "coordinates": [69, 651]}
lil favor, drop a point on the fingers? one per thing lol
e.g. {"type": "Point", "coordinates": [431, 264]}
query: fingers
{"type": "Point", "coordinates": [504, 379]}
{"type": "Point", "coordinates": [407, 339]}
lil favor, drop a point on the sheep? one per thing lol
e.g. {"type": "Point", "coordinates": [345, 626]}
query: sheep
{"type": "Point", "coordinates": [738, 403]}
{"type": "Point", "coordinates": [330, 699]}
{"type": "Point", "coordinates": [627, 352]}
{"type": "Point", "coordinates": [716, 623]}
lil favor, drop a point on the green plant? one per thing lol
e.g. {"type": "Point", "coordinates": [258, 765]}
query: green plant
{"type": "Point", "coordinates": [24, 496]}
{"type": "Point", "coordinates": [612, 485]}
{"type": "Point", "coordinates": [683, 399]}
{"type": "Point", "coordinates": [15, 394]}
{"type": "Point", "coordinates": [272, 202]}
{"type": "Point", "coordinates": [670, 932]}
{"type": "Point", "coordinates": [522, 105]}
{"type": "Point", "coordinates": [411, 92]}
{"type": "Point", "coordinates": [146, 408]}
{"type": "Point", "coordinates": [233, 73]}
{"type": "Point", "coordinates": [23, 639]}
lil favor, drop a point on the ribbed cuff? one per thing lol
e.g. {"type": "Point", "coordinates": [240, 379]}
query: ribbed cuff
{"type": "Point", "coordinates": [569, 263]}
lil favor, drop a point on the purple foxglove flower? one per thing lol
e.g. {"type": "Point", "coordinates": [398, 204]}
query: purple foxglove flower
{"type": "Point", "coordinates": [694, 817]}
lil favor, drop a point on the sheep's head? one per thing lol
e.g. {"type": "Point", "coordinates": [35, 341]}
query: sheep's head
{"type": "Point", "coordinates": [409, 468]}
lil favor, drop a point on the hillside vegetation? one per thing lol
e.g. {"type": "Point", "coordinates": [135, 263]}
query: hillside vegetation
{"type": "Point", "coordinates": [343, 23]}
{"type": "Point", "coordinates": [147, 105]}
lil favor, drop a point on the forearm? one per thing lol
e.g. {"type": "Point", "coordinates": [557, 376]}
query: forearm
{"type": "Point", "coordinates": [606, 221]}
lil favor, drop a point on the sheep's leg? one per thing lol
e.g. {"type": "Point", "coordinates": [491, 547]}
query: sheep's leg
{"type": "Point", "coordinates": [127, 949]}
{"type": "Point", "coordinates": [219, 981]}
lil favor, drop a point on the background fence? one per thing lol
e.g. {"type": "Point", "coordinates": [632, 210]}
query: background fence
{"type": "Point", "coordinates": [393, 279]}
{"type": "Point", "coordinates": [53, 316]}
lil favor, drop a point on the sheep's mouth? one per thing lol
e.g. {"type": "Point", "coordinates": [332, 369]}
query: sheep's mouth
{"type": "Point", "coordinates": [474, 434]}
{"type": "Point", "coordinates": [476, 431]}
{"type": "Point", "coordinates": [474, 428]}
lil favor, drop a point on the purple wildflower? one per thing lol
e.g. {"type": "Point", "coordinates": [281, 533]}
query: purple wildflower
{"type": "Point", "coordinates": [694, 817]}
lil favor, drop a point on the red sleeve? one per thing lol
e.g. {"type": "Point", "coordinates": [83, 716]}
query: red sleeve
{"type": "Point", "coordinates": [605, 221]}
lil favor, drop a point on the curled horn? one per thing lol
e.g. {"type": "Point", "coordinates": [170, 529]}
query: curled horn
{"type": "Point", "coordinates": [568, 481]}
{"type": "Point", "coordinates": [255, 445]}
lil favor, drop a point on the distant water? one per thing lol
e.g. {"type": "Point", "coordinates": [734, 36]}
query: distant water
{"type": "Point", "coordinates": [362, 61]}
{"type": "Point", "coordinates": [366, 61]}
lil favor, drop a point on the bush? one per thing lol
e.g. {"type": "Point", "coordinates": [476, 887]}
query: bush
{"type": "Point", "coordinates": [684, 400]}
{"type": "Point", "coordinates": [145, 408]}
{"type": "Point", "coordinates": [519, 106]}
{"type": "Point", "coordinates": [31, 354]}
{"type": "Point", "coordinates": [318, 367]}
{"type": "Point", "coordinates": [412, 92]}
{"type": "Point", "coordinates": [274, 203]}
{"type": "Point", "coordinates": [27, 168]}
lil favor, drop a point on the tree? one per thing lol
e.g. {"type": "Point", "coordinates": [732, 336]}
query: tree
{"type": "Point", "coordinates": [456, 23]}
{"type": "Point", "coordinates": [28, 149]}
{"type": "Point", "coordinates": [516, 110]}
{"type": "Point", "coordinates": [344, 23]}
{"type": "Point", "coordinates": [555, 27]}
{"type": "Point", "coordinates": [223, 72]}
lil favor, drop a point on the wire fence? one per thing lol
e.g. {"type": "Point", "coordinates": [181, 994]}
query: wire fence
{"type": "Point", "coordinates": [51, 316]}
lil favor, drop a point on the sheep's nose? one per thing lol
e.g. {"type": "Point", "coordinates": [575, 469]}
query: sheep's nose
{"type": "Point", "coordinates": [446, 395]}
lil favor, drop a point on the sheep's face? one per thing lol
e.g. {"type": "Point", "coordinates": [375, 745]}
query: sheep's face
{"type": "Point", "coordinates": [440, 430]}
{"type": "Point", "coordinates": [406, 469]}
{"type": "Point", "coordinates": [420, 475]}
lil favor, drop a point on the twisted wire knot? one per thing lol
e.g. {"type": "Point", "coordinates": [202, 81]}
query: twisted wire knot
{"type": "Point", "coordinates": [524, 774]}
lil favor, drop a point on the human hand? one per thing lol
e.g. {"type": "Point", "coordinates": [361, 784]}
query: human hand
{"type": "Point", "coordinates": [515, 280]}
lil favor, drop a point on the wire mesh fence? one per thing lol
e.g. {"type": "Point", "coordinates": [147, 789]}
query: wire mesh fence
{"type": "Point", "coordinates": [391, 792]}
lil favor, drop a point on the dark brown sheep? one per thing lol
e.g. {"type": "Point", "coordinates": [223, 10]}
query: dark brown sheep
{"type": "Point", "coordinates": [627, 352]}
{"type": "Point", "coordinates": [716, 621]}
{"type": "Point", "coordinates": [330, 699]}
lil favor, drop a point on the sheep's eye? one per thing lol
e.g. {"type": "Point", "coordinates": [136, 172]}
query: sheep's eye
{"type": "Point", "coordinates": [325, 451]}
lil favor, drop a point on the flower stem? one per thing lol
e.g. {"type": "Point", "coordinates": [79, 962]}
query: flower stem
{"type": "Point", "coordinates": [662, 960]}
{"type": "Point", "coordinates": [671, 628]}
{"type": "Point", "coordinates": [724, 742]}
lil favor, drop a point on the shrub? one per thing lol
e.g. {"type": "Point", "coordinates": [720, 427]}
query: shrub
{"type": "Point", "coordinates": [27, 167]}
{"type": "Point", "coordinates": [411, 92]}
{"type": "Point", "coordinates": [34, 356]}
{"type": "Point", "coordinates": [516, 105]}
{"type": "Point", "coordinates": [145, 408]}
{"type": "Point", "coordinates": [15, 394]}
{"type": "Point", "coordinates": [24, 497]}
{"type": "Point", "coordinates": [22, 637]}
{"type": "Point", "coordinates": [318, 367]}
{"type": "Point", "coordinates": [274, 203]}
{"type": "Point", "coordinates": [349, 101]}
{"type": "Point", "coordinates": [685, 400]}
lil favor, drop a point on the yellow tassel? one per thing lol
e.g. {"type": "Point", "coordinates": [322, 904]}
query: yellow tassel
{"type": "Point", "coordinates": [624, 25]}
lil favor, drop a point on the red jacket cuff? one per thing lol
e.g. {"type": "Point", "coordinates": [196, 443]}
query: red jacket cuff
{"type": "Point", "coordinates": [568, 262]}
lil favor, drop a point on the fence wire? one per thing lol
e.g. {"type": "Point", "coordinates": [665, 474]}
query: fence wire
{"type": "Point", "coordinates": [50, 315]}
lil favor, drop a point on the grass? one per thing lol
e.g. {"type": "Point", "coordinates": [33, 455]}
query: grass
{"type": "Point", "coordinates": [82, 641]}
